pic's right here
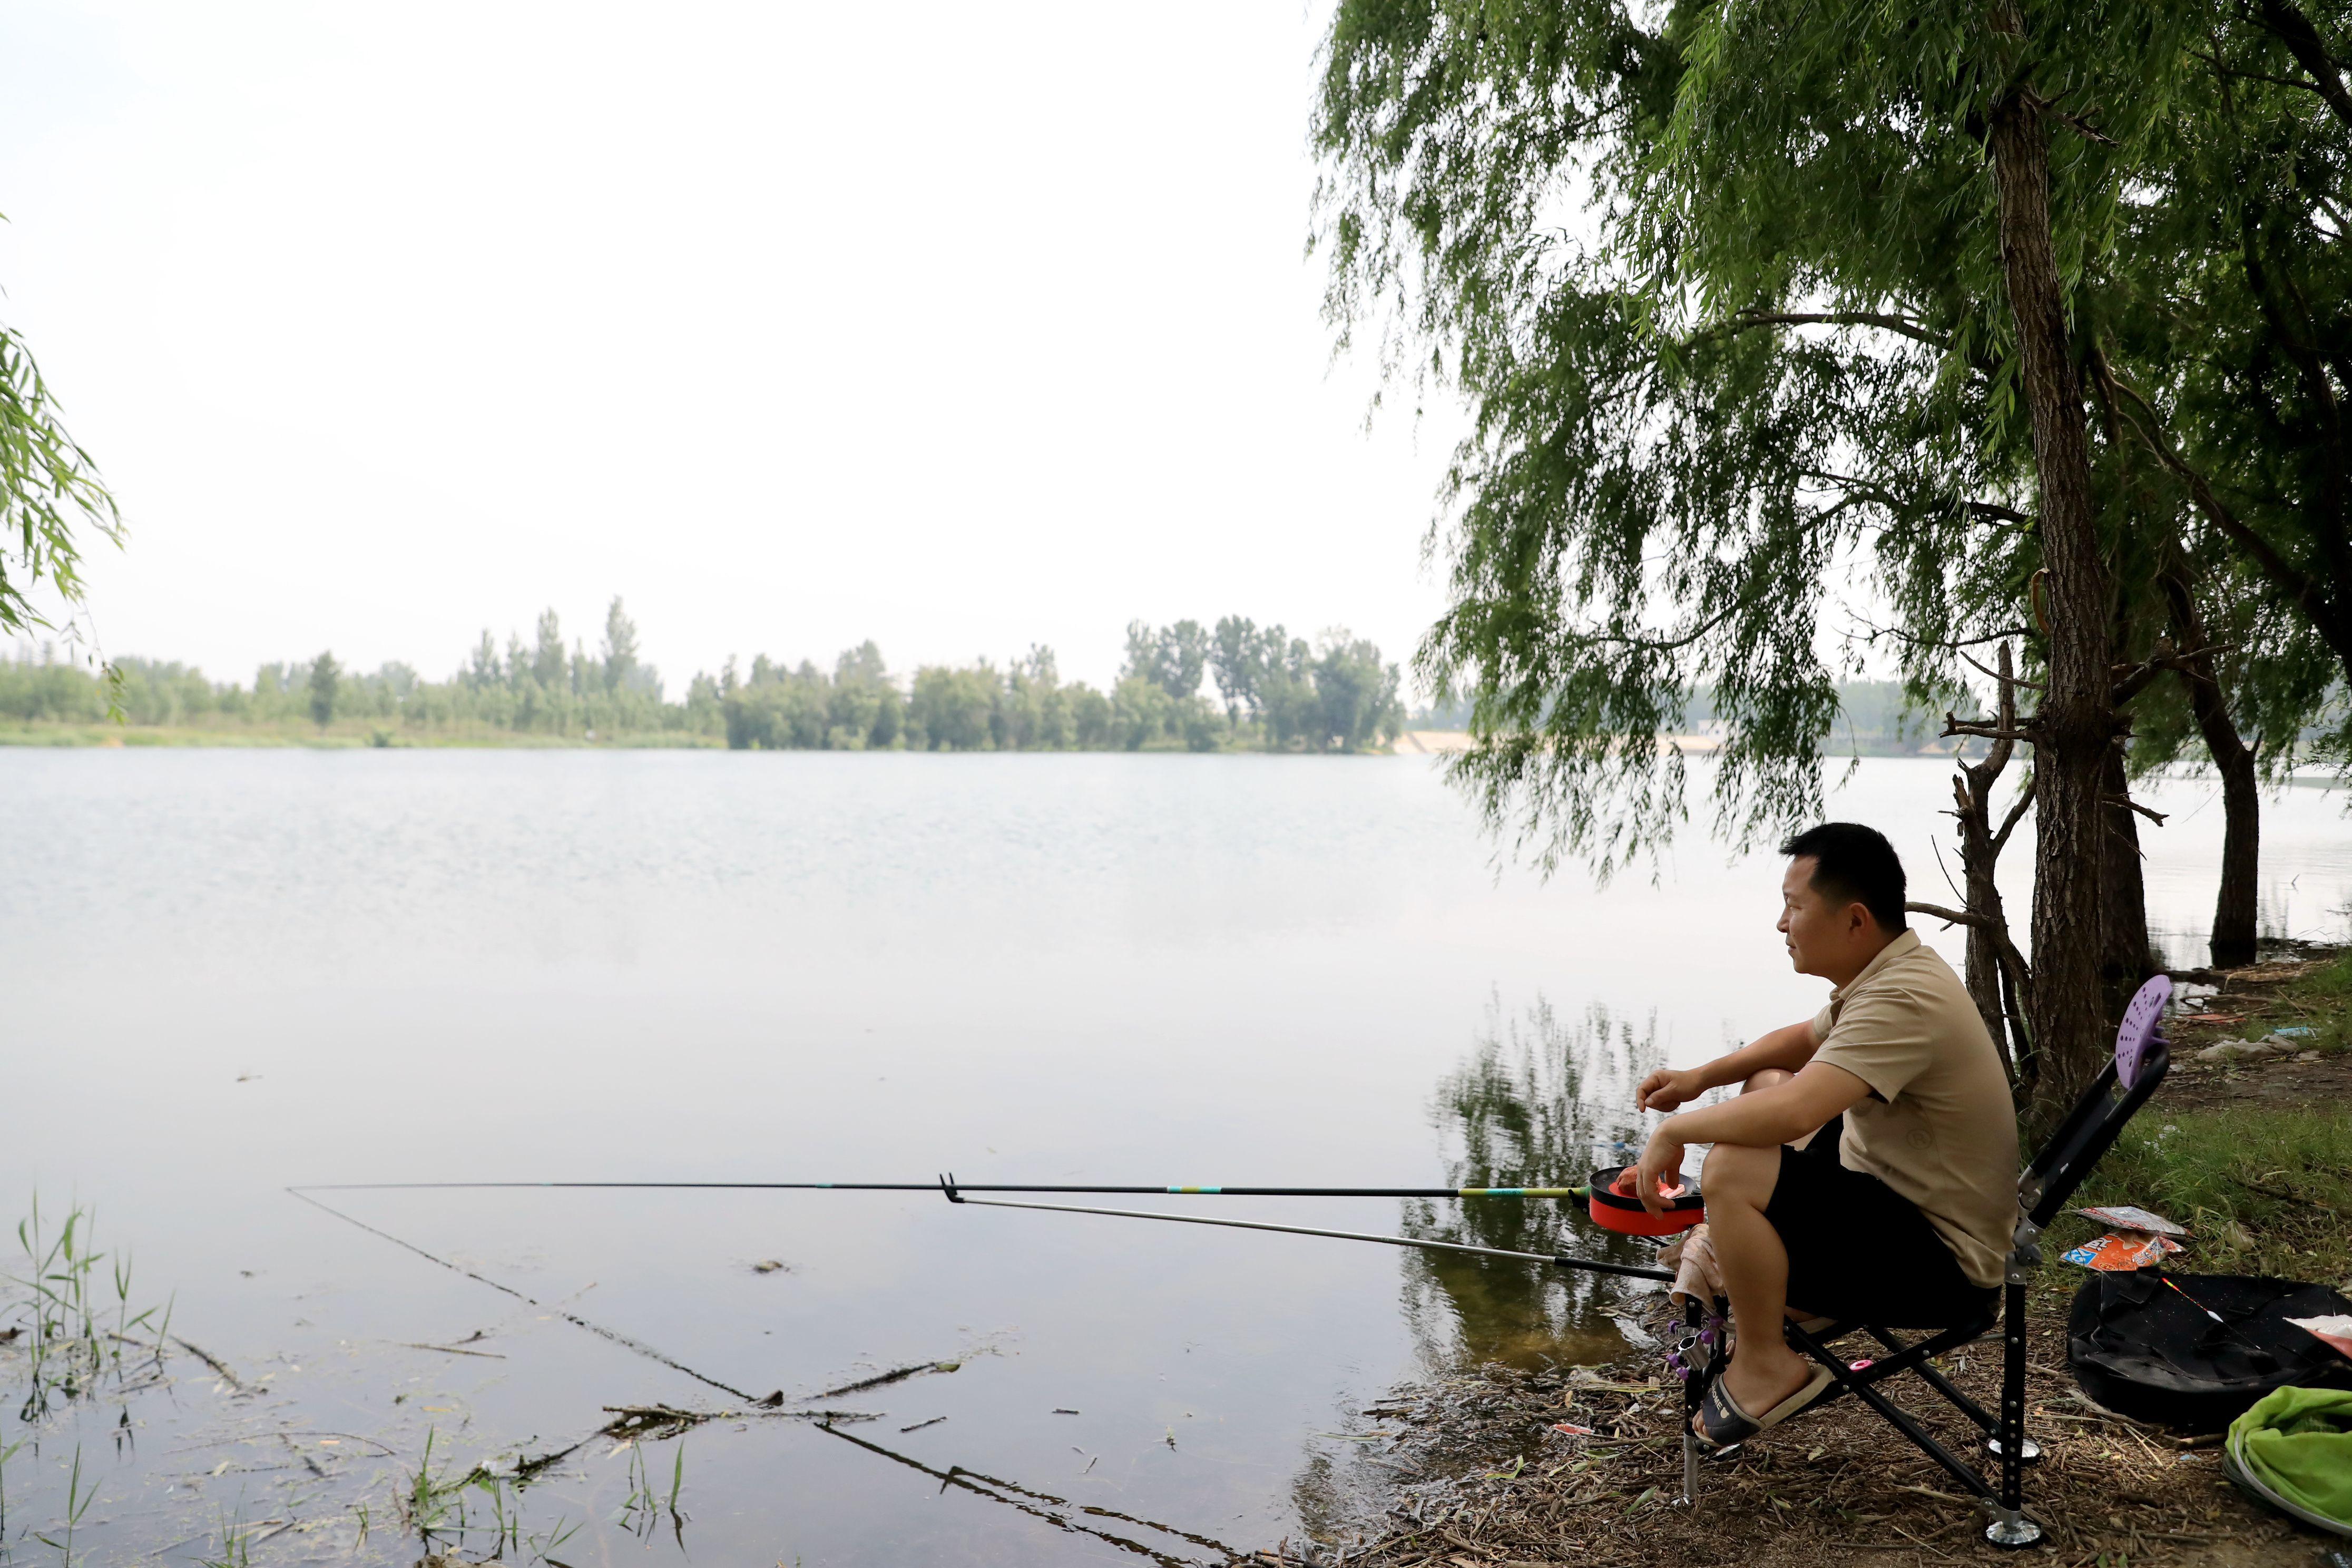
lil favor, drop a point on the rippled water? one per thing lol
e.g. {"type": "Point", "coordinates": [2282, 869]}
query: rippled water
{"type": "Point", "coordinates": [228, 971]}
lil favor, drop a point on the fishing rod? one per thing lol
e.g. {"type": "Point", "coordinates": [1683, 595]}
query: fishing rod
{"type": "Point", "coordinates": [934, 1185]}
{"type": "Point", "coordinates": [1565, 1260]}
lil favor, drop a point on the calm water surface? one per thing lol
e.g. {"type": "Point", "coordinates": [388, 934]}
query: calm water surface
{"type": "Point", "coordinates": [228, 971]}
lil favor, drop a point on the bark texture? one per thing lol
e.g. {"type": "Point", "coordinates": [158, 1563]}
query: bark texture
{"type": "Point", "coordinates": [2124, 957]}
{"type": "Point", "coordinates": [2074, 725]}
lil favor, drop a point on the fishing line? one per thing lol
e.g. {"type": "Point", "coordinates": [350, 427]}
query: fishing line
{"type": "Point", "coordinates": [612, 1334]}
{"type": "Point", "coordinates": [2227, 1327]}
{"type": "Point", "coordinates": [1562, 1259]}
{"type": "Point", "coordinates": [968, 1480]}
{"type": "Point", "coordinates": [956, 1475]}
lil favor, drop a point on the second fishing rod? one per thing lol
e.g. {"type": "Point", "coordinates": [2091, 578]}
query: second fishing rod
{"type": "Point", "coordinates": [933, 1185]}
{"type": "Point", "coordinates": [1608, 1201]}
{"type": "Point", "coordinates": [1096, 1188]}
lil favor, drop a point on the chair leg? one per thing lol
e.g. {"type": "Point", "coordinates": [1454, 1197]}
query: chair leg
{"type": "Point", "coordinates": [2010, 1526]}
{"type": "Point", "coordinates": [1698, 1365]}
{"type": "Point", "coordinates": [1943, 1385]}
{"type": "Point", "coordinates": [2028, 1450]}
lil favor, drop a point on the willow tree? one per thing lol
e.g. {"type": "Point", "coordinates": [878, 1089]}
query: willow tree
{"type": "Point", "coordinates": [1657, 489]}
{"type": "Point", "coordinates": [50, 489]}
{"type": "Point", "coordinates": [2227, 341]}
{"type": "Point", "coordinates": [1745, 301]}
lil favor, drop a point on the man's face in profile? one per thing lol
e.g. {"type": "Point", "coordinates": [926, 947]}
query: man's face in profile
{"type": "Point", "coordinates": [1812, 929]}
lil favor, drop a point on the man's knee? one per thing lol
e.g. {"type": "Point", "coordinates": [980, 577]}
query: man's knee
{"type": "Point", "coordinates": [1737, 1173]}
{"type": "Point", "coordinates": [1766, 1078]}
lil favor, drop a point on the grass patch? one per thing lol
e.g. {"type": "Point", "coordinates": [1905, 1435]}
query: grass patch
{"type": "Point", "coordinates": [2325, 1000]}
{"type": "Point", "coordinates": [2319, 999]}
{"type": "Point", "coordinates": [2264, 1190]}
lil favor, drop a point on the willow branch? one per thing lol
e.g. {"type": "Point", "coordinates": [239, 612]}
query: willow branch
{"type": "Point", "coordinates": [2021, 972]}
{"type": "Point", "coordinates": [1917, 330]}
{"type": "Point", "coordinates": [2134, 679]}
{"type": "Point", "coordinates": [2125, 800]}
{"type": "Point", "coordinates": [1663, 644]}
{"type": "Point", "coordinates": [2016, 811]}
{"type": "Point", "coordinates": [1916, 640]}
{"type": "Point", "coordinates": [1996, 675]}
{"type": "Point", "coordinates": [1953, 725]}
{"type": "Point", "coordinates": [2294, 585]}
{"type": "Point", "coordinates": [2295, 29]}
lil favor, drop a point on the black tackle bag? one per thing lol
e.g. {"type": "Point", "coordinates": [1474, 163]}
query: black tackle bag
{"type": "Point", "coordinates": [2140, 1350]}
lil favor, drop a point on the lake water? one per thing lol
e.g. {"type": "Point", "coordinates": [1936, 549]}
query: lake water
{"type": "Point", "coordinates": [229, 972]}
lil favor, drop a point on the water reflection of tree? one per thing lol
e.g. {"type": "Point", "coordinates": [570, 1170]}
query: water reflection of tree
{"type": "Point", "coordinates": [1541, 1102]}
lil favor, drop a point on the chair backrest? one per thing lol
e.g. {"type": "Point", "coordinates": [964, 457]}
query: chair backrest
{"type": "Point", "coordinates": [2090, 1130]}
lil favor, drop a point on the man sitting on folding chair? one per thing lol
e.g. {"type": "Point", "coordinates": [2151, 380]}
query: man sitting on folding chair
{"type": "Point", "coordinates": [1898, 1211]}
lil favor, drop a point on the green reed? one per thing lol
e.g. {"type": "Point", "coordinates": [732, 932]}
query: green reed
{"type": "Point", "coordinates": [74, 1334]}
{"type": "Point", "coordinates": [643, 1507]}
{"type": "Point", "coordinates": [78, 1503]}
{"type": "Point", "coordinates": [434, 1505]}
{"type": "Point", "coordinates": [235, 1543]}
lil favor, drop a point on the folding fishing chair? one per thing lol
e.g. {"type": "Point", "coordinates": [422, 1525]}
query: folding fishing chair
{"type": "Point", "coordinates": [2125, 1084]}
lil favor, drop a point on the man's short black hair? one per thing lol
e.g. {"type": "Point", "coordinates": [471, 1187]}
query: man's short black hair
{"type": "Point", "coordinates": [1855, 864]}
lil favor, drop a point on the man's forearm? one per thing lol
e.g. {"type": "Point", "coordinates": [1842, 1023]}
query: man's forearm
{"type": "Point", "coordinates": [1788, 1048]}
{"type": "Point", "coordinates": [1777, 1115]}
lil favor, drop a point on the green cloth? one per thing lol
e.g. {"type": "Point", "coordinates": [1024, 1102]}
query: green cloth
{"type": "Point", "coordinates": [2298, 1443]}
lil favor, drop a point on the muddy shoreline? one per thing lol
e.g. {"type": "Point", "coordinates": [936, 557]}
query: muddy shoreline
{"type": "Point", "coordinates": [1488, 1479]}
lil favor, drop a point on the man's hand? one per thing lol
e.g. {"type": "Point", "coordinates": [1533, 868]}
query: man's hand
{"type": "Point", "coordinates": [1663, 1090]}
{"type": "Point", "coordinates": [1662, 1163]}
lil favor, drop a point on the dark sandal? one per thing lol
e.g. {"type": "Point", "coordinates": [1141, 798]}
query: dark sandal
{"type": "Point", "coordinates": [1722, 1422]}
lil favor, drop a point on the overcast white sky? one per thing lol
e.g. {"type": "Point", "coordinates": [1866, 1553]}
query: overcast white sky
{"type": "Point", "coordinates": [957, 326]}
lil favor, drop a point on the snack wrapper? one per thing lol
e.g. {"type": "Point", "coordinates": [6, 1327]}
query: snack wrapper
{"type": "Point", "coordinates": [2123, 1216]}
{"type": "Point", "coordinates": [2120, 1252]}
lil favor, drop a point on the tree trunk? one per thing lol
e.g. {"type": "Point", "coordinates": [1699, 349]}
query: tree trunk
{"type": "Point", "coordinates": [2232, 943]}
{"type": "Point", "coordinates": [2123, 961]}
{"type": "Point", "coordinates": [2074, 725]}
{"type": "Point", "coordinates": [2241, 843]}
{"type": "Point", "coordinates": [1992, 986]}
{"type": "Point", "coordinates": [1976, 867]}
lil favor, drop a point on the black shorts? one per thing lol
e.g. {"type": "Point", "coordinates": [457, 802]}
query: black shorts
{"type": "Point", "coordinates": [1860, 1252]}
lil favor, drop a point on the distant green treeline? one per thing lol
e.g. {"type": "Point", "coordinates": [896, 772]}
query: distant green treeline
{"type": "Point", "coordinates": [1274, 692]}
{"type": "Point", "coordinates": [1874, 719]}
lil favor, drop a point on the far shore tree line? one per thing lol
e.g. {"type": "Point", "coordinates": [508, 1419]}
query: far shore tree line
{"type": "Point", "coordinates": [1271, 691]}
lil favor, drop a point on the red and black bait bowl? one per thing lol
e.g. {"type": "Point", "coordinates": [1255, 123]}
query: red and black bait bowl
{"type": "Point", "coordinates": [1615, 1208]}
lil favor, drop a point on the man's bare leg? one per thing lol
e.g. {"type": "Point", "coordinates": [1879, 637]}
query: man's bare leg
{"type": "Point", "coordinates": [1766, 1079]}
{"type": "Point", "coordinates": [1738, 1183]}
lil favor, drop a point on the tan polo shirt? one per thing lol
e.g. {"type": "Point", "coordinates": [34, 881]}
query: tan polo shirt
{"type": "Point", "coordinates": [1938, 1125]}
